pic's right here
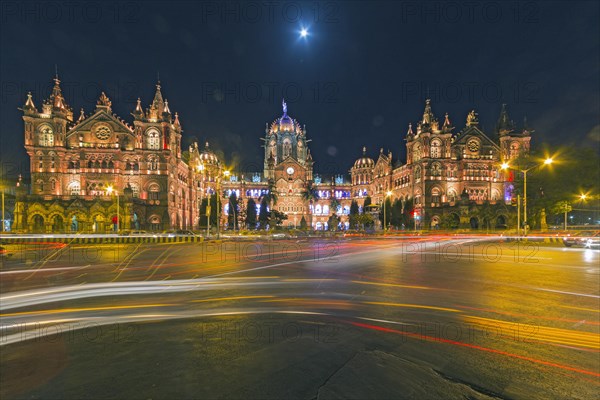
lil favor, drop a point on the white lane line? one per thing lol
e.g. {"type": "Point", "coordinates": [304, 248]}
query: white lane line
{"type": "Point", "coordinates": [24, 271]}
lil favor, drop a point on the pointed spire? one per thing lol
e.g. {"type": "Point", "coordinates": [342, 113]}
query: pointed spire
{"type": "Point", "coordinates": [166, 109]}
{"type": "Point", "coordinates": [309, 156]}
{"type": "Point", "coordinates": [410, 130]}
{"type": "Point", "coordinates": [81, 116]}
{"type": "Point", "coordinates": [176, 122]}
{"type": "Point", "coordinates": [526, 129]}
{"type": "Point", "coordinates": [56, 98]}
{"type": "Point", "coordinates": [364, 150]}
{"type": "Point", "coordinates": [428, 116]}
{"type": "Point", "coordinates": [158, 99]}
{"type": "Point", "coordinates": [504, 124]}
{"type": "Point", "coordinates": [29, 103]}
{"type": "Point", "coordinates": [447, 127]}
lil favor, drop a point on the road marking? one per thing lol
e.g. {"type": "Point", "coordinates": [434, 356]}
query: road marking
{"type": "Point", "coordinates": [379, 303]}
{"type": "Point", "coordinates": [232, 298]}
{"type": "Point", "coordinates": [72, 310]}
{"type": "Point", "coordinates": [391, 285]}
{"type": "Point", "coordinates": [24, 271]}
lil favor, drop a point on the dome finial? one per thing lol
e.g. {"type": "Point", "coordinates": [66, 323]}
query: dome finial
{"type": "Point", "coordinates": [284, 105]}
{"type": "Point", "coordinates": [364, 150]}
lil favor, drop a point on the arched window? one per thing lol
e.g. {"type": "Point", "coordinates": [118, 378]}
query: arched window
{"type": "Point", "coordinates": [74, 188]}
{"type": "Point", "coordinates": [515, 149]}
{"type": "Point", "coordinates": [436, 169]}
{"type": "Point", "coordinates": [40, 186]}
{"type": "Point", "coordinates": [451, 195]}
{"type": "Point", "coordinates": [46, 136]}
{"type": "Point", "coordinates": [135, 189]}
{"type": "Point", "coordinates": [417, 152]}
{"type": "Point", "coordinates": [287, 148]}
{"type": "Point", "coordinates": [418, 174]}
{"type": "Point", "coordinates": [153, 191]}
{"type": "Point", "coordinates": [153, 140]}
{"type": "Point", "coordinates": [435, 195]}
{"type": "Point", "coordinates": [436, 148]}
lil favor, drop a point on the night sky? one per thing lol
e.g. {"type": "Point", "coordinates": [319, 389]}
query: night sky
{"type": "Point", "coordinates": [358, 78]}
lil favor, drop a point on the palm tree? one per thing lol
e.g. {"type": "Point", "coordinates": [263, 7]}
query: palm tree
{"type": "Point", "coordinates": [310, 195]}
{"type": "Point", "coordinates": [271, 196]}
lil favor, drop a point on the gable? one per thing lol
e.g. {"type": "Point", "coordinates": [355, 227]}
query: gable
{"type": "Point", "coordinates": [474, 132]}
{"type": "Point", "coordinates": [101, 116]}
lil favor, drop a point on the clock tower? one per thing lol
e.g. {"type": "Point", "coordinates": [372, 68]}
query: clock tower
{"type": "Point", "coordinates": [288, 165]}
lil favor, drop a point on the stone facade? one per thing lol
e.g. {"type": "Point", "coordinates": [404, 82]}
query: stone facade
{"type": "Point", "coordinates": [97, 166]}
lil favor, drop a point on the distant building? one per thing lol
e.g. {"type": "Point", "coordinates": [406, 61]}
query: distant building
{"type": "Point", "coordinates": [79, 166]}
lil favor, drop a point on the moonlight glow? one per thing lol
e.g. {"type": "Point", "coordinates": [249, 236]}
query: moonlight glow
{"type": "Point", "coordinates": [303, 32]}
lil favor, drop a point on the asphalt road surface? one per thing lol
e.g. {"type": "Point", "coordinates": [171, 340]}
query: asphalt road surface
{"type": "Point", "coordinates": [429, 317]}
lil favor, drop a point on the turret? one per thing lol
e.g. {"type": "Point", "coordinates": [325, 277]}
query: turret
{"type": "Point", "coordinates": [504, 126]}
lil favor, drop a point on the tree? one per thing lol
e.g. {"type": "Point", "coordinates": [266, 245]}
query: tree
{"type": "Point", "coordinates": [213, 209]}
{"type": "Point", "coordinates": [233, 214]}
{"type": "Point", "coordinates": [203, 217]}
{"type": "Point", "coordinates": [332, 222]}
{"type": "Point", "coordinates": [251, 214]}
{"type": "Point", "coordinates": [486, 213]}
{"type": "Point", "coordinates": [353, 216]}
{"type": "Point", "coordinates": [310, 195]}
{"type": "Point", "coordinates": [396, 218]}
{"type": "Point", "coordinates": [408, 214]}
{"type": "Point", "coordinates": [263, 213]}
{"type": "Point", "coordinates": [334, 204]}
{"type": "Point", "coordinates": [303, 224]}
{"type": "Point", "coordinates": [271, 195]}
{"type": "Point", "coordinates": [276, 218]}
{"type": "Point", "coordinates": [366, 204]}
{"type": "Point", "coordinates": [388, 211]}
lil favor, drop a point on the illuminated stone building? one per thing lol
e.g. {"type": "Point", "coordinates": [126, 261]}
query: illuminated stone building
{"type": "Point", "coordinates": [80, 165]}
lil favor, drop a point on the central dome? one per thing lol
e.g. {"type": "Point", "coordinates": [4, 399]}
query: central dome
{"type": "Point", "coordinates": [208, 157]}
{"type": "Point", "coordinates": [364, 161]}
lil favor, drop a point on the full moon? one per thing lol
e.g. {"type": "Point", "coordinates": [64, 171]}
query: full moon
{"type": "Point", "coordinates": [304, 32]}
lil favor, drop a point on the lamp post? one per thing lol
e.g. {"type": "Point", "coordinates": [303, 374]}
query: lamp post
{"type": "Point", "coordinates": [506, 166]}
{"type": "Point", "coordinates": [110, 191]}
{"type": "Point", "coordinates": [226, 174]}
{"type": "Point", "coordinates": [387, 194]}
{"type": "Point", "coordinates": [3, 223]}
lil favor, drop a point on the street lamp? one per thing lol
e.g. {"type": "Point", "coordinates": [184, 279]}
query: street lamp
{"type": "Point", "coordinates": [506, 166]}
{"type": "Point", "coordinates": [3, 223]}
{"type": "Point", "coordinates": [110, 191]}
{"type": "Point", "coordinates": [387, 194]}
{"type": "Point", "coordinates": [225, 174]}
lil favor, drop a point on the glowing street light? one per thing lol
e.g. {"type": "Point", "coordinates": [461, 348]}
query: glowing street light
{"type": "Point", "coordinates": [583, 196]}
{"type": "Point", "coordinates": [506, 166]}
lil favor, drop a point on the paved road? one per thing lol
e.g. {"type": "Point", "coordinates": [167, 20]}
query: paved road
{"type": "Point", "coordinates": [313, 319]}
